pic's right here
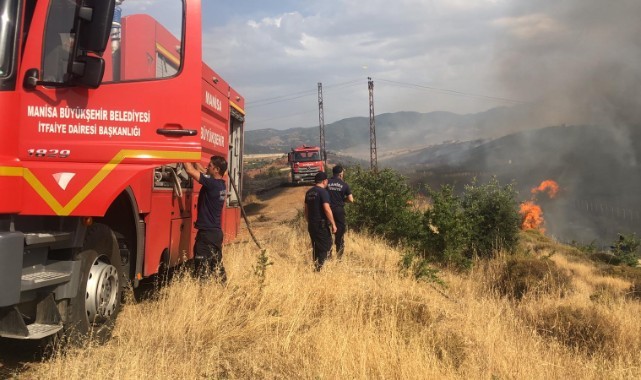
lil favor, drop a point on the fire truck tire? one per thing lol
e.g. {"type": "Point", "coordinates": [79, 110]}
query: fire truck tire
{"type": "Point", "coordinates": [93, 311]}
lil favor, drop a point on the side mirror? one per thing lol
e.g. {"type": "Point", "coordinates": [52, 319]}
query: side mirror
{"type": "Point", "coordinates": [94, 25]}
{"type": "Point", "coordinates": [88, 71]}
{"type": "Point", "coordinates": [289, 157]}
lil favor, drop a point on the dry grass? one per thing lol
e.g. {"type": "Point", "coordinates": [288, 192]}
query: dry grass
{"type": "Point", "coordinates": [357, 319]}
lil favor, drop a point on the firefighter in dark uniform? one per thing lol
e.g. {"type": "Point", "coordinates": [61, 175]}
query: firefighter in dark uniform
{"type": "Point", "coordinates": [339, 193]}
{"type": "Point", "coordinates": [208, 248]}
{"type": "Point", "coordinates": [320, 221]}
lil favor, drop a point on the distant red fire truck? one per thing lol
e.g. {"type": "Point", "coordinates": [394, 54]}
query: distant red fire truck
{"type": "Point", "coordinates": [304, 162]}
{"type": "Point", "coordinates": [99, 106]}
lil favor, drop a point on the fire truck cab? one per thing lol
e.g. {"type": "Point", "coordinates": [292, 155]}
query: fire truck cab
{"type": "Point", "coordinates": [304, 162]}
{"type": "Point", "coordinates": [100, 103]}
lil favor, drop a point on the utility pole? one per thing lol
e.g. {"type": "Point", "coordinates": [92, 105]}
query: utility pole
{"type": "Point", "coordinates": [321, 123]}
{"type": "Point", "coordinates": [372, 127]}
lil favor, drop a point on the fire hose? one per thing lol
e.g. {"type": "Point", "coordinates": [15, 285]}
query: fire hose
{"type": "Point", "coordinates": [242, 211]}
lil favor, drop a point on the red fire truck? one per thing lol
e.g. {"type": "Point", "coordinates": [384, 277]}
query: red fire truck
{"type": "Point", "coordinates": [100, 103]}
{"type": "Point", "coordinates": [304, 162]}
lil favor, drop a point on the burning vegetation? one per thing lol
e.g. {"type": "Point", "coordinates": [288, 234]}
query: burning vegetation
{"type": "Point", "coordinates": [531, 213]}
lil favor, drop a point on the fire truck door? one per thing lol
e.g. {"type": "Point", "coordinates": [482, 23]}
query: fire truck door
{"type": "Point", "coordinates": [147, 109]}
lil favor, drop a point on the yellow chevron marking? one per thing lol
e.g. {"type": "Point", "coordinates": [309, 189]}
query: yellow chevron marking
{"type": "Point", "coordinates": [8, 171]}
{"type": "Point", "coordinates": [43, 192]}
{"type": "Point", "coordinates": [96, 180]}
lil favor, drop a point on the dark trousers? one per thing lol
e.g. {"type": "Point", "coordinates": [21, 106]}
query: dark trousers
{"type": "Point", "coordinates": [321, 242]}
{"type": "Point", "coordinates": [341, 227]}
{"type": "Point", "coordinates": [208, 254]}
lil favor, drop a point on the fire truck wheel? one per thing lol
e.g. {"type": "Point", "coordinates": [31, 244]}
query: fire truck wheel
{"type": "Point", "coordinates": [93, 310]}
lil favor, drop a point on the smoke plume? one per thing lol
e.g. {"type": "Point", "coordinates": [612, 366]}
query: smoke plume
{"type": "Point", "coordinates": [578, 60]}
{"type": "Point", "coordinates": [577, 63]}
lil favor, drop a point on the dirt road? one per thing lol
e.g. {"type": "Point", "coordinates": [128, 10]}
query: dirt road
{"type": "Point", "coordinates": [276, 206]}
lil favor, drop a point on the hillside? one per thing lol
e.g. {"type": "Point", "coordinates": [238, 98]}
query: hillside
{"type": "Point", "coordinates": [360, 319]}
{"type": "Point", "coordinates": [595, 167]}
{"type": "Point", "coordinates": [400, 130]}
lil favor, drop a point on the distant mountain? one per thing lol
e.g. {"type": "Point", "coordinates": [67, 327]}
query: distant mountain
{"type": "Point", "coordinates": [394, 131]}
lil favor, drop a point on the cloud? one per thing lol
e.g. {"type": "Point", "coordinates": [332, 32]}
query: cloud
{"type": "Point", "coordinates": [165, 11]}
{"type": "Point", "coordinates": [445, 44]}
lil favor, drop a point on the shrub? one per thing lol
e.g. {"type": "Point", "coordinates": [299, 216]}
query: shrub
{"type": "Point", "coordinates": [626, 249]}
{"type": "Point", "coordinates": [483, 221]}
{"type": "Point", "coordinates": [583, 328]}
{"type": "Point", "coordinates": [453, 230]}
{"type": "Point", "coordinates": [383, 205]}
{"type": "Point", "coordinates": [418, 266]}
{"type": "Point", "coordinates": [447, 232]}
{"type": "Point", "coordinates": [632, 274]}
{"type": "Point", "coordinates": [606, 258]}
{"type": "Point", "coordinates": [634, 292]}
{"type": "Point", "coordinates": [590, 248]}
{"type": "Point", "coordinates": [493, 215]}
{"type": "Point", "coordinates": [527, 275]}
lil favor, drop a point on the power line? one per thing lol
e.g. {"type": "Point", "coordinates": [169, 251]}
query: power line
{"type": "Point", "coordinates": [306, 112]}
{"type": "Point", "coordinates": [451, 92]}
{"type": "Point", "coordinates": [350, 83]}
{"type": "Point", "coordinates": [300, 94]}
{"type": "Point", "coordinates": [279, 100]}
{"type": "Point", "coordinates": [357, 82]}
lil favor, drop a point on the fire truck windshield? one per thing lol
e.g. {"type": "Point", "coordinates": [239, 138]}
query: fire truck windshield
{"type": "Point", "coordinates": [306, 156]}
{"type": "Point", "coordinates": [8, 16]}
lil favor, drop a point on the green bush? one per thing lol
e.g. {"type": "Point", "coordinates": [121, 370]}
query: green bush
{"type": "Point", "coordinates": [590, 248]}
{"type": "Point", "coordinates": [479, 223]}
{"type": "Point", "coordinates": [626, 249]}
{"type": "Point", "coordinates": [418, 266]}
{"type": "Point", "coordinates": [447, 231]}
{"type": "Point", "coordinates": [492, 212]}
{"type": "Point", "coordinates": [383, 205]}
{"type": "Point", "coordinates": [605, 257]}
{"type": "Point", "coordinates": [453, 230]}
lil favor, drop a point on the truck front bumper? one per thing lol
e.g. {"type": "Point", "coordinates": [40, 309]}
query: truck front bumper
{"type": "Point", "coordinates": [304, 177]}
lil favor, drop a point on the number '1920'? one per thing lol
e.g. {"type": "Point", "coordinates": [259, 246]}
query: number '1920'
{"type": "Point", "coordinates": [50, 153]}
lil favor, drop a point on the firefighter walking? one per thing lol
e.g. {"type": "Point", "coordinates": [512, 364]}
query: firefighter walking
{"type": "Point", "coordinates": [320, 221]}
{"type": "Point", "coordinates": [339, 193]}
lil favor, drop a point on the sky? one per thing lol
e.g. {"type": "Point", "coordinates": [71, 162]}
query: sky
{"type": "Point", "coordinates": [422, 56]}
{"type": "Point", "coordinates": [578, 60]}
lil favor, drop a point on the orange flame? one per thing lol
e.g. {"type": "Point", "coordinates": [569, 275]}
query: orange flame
{"type": "Point", "coordinates": [532, 216]}
{"type": "Point", "coordinates": [531, 212]}
{"type": "Point", "coordinates": [548, 186]}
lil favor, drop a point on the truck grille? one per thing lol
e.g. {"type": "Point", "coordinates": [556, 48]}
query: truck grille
{"type": "Point", "coordinates": [309, 169]}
